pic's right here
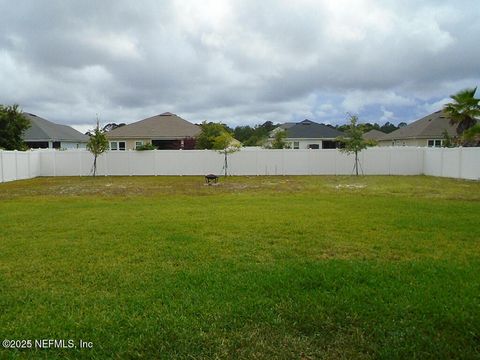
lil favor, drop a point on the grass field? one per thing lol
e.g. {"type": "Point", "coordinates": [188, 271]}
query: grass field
{"type": "Point", "coordinates": [255, 267]}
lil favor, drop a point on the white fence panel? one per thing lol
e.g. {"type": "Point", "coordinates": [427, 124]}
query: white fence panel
{"type": "Point", "coordinates": [296, 162]}
{"type": "Point", "coordinates": [432, 164]}
{"type": "Point", "coordinates": [375, 161]}
{"type": "Point", "coordinates": [451, 162]}
{"type": "Point", "coordinates": [240, 163]}
{"type": "Point", "coordinates": [47, 163]}
{"type": "Point", "coordinates": [165, 165]}
{"type": "Point", "coordinates": [66, 163]}
{"type": "Point", "coordinates": [322, 162]}
{"type": "Point", "coordinates": [193, 162]}
{"type": "Point", "coordinates": [344, 163]}
{"type": "Point", "coordinates": [470, 163]}
{"type": "Point", "coordinates": [116, 163]}
{"type": "Point", "coordinates": [18, 165]}
{"type": "Point", "coordinates": [270, 162]}
{"type": "Point", "coordinates": [22, 159]}
{"type": "Point", "coordinates": [142, 162]}
{"type": "Point", "coordinates": [9, 164]}
{"type": "Point", "coordinates": [85, 163]}
{"type": "Point", "coordinates": [406, 161]}
{"type": "Point", "coordinates": [212, 162]}
{"type": "Point", "coordinates": [34, 164]}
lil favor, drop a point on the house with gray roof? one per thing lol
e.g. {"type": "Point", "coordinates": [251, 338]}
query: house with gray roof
{"type": "Point", "coordinates": [373, 135]}
{"type": "Point", "coordinates": [308, 134]}
{"type": "Point", "coordinates": [427, 131]}
{"type": "Point", "coordinates": [44, 134]}
{"type": "Point", "coordinates": [166, 131]}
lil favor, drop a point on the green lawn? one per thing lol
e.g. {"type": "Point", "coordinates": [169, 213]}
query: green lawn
{"type": "Point", "coordinates": [255, 267]}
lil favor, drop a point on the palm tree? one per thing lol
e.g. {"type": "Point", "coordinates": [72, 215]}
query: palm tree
{"type": "Point", "coordinates": [463, 110]}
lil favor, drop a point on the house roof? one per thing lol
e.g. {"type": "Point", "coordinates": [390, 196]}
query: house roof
{"type": "Point", "coordinates": [430, 126]}
{"type": "Point", "coordinates": [308, 129]}
{"type": "Point", "coordinates": [163, 126]}
{"type": "Point", "coordinates": [287, 125]}
{"type": "Point", "coordinates": [373, 134]}
{"type": "Point", "coordinates": [44, 130]}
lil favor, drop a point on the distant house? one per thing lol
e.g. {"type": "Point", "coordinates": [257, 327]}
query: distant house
{"type": "Point", "coordinates": [44, 134]}
{"type": "Point", "coordinates": [309, 135]}
{"type": "Point", "coordinates": [373, 135]}
{"type": "Point", "coordinates": [427, 131]}
{"type": "Point", "coordinates": [166, 131]}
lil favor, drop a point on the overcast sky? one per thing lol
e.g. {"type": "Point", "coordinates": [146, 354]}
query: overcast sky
{"type": "Point", "coordinates": [239, 62]}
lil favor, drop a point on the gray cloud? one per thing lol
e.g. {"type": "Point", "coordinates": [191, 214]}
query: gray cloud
{"type": "Point", "coordinates": [236, 61]}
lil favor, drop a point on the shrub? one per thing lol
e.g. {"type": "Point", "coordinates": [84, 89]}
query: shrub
{"type": "Point", "coordinates": [146, 147]}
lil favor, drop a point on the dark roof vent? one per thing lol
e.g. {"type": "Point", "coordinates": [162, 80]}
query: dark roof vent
{"type": "Point", "coordinates": [167, 114]}
{"type": "Point", "coordinates": [306, 122]}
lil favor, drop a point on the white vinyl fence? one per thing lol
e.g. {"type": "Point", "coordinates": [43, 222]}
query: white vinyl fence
{"type": "Point", "coordinates": [17, 165]}
{"type": "Point", "coordinates": [461, 163]}
{"type": "Point", "coordinates": [457, 162]}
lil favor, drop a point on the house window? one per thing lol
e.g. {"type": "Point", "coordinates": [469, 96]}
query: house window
{"type": "Point", "coordinates": [296, 145]}
{"type": "Point", "coordinates": [313, 146]}
{"type": "Point", "coordinates": [329, 144]}
{"type": "Point", "coordinates": [138, 144]}
{"type": "Point", "coordinates": [435, 143]}
{"type": "Point", "coordinates": [117, 145]}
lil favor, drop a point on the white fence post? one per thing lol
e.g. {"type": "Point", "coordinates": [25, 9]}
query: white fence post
{"type": "Point", "coordinates": [28, 162]}
{"type": "Point", "coordinates": [155, 160]}
{"type": "Point", "coordinates": [335, 161]}
{"type": "Point", "coordinates": [79, 163]}
{"type": "Point", "coordinates": [16, 164]}
{"type": "Point", "coordinates": [129, 158]}
{"type": "Point", "coordinates": [441, 161]}
{"type": "Point", "coordinates": [460, 153]}
{"type": "Point", "coordinates": [1, 166]}
{"type": "Point", "coordinates": [54, 163]}
{"type": "Point", "coordinates": [424, 156]}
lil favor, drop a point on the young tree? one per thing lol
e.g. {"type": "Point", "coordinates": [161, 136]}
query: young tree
{"type": "Point", "coordinates": [97, 145]}
{"type": "Point", "coordinates": [354, 141]}
{"type": "Point", "coordinates": [279, 139]}
{"type": "Point", "coordinates": [209, 132]}
{"type": "Point", "coordinates": [463, 110]}
{"type": "Point", "coordinates": [226, 144]}
{"type": "Point", "coordinates": [12, 126]}
{"type": "Point", "coordinates": [448, 142]}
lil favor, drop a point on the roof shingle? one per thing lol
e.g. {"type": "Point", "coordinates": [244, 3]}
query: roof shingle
{"type": "Point", "coordinates": [44, 130]}
{"type": "Point", "coordinates": [373, 134]}
{"type": "Point", "coordinates": [308, 129]}
{"type": "Point", "coordinates": [430, 126]}
{"type": "Point", "coordinates": [163, 126]}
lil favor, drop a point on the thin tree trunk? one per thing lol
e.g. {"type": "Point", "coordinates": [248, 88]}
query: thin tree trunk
{"type": "Point", "coordinates": [226, 164]}
{"type": "Point", "coordinates": [356, 163]}
{"type": "Point", "coordinates": [94, 165]}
